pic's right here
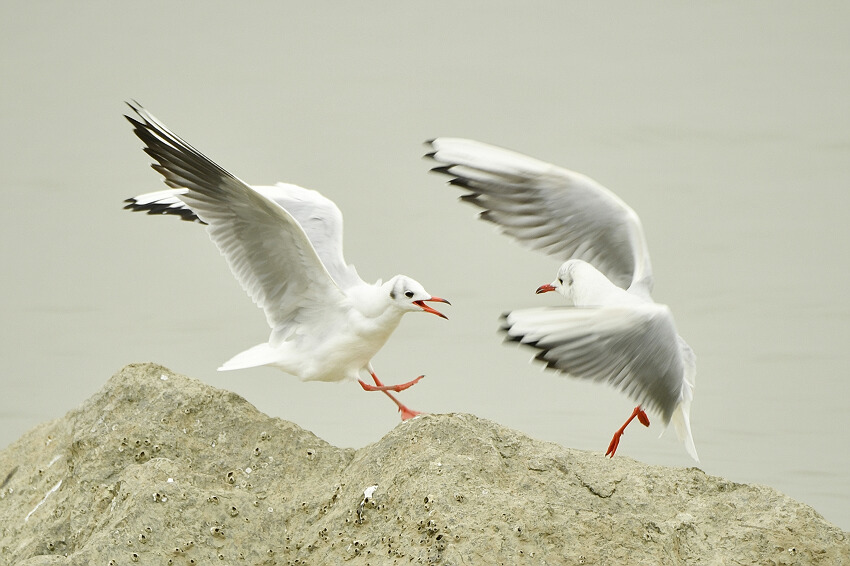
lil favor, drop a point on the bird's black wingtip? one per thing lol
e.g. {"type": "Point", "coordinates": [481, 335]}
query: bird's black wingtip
{"type": "Point", "coordinates": [462, 183]}
{"type": "Point", "coordinates": [443, 169]}
{"type": "Point", "coordinates": [158, 209]}
{"type": "Point", "coordinates": [486, 216]}
{"type": "Point", "coordinates": [134, 105]}
{"type": "Point", "coordinates": [137, 125]}
{"type": "Point", "coordinates": [510, 338]}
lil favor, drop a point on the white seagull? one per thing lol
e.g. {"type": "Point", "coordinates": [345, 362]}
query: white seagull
{"type": "Point", "coordinates": [283, 244]}
{"type": "Point", "coordinates": [612, 331]}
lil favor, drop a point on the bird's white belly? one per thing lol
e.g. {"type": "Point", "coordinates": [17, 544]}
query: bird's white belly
{"type": "Point", "coordinates": [336, 357]}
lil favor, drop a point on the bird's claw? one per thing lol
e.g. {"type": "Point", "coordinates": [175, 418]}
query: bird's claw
{"type": "Point", "coordinates": [408, 413]}
{"type": "Point", "coordinates": [612, 447]}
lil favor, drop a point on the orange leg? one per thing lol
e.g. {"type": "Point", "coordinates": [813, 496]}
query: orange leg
{"type": "Point", "coordinates": [641, 416]}
{"type": "Point", "coordinates": [405, 412]}
{"type": "Point", "coordinates": [381, 387]}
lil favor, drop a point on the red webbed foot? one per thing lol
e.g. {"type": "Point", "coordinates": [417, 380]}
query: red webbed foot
{"type": "Point", "coordinates": [641, 416]}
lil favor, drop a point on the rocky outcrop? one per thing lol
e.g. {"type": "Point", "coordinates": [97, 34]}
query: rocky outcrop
{"type": "Point", "coordinates": [158, 468]}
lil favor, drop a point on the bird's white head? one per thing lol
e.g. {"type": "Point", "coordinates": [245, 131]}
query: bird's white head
{"type": "Point", "coordinates": [409, 296]}
{"type": "Point", "coordinates": [578, 281]}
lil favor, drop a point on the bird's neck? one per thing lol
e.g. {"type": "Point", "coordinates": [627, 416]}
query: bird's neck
{"type": "Point", "coordinates": [601, 295]}
{"type": "Point", "coordinates": [375, 317]}
{"type": "Point", "coordinates": [373, 302]}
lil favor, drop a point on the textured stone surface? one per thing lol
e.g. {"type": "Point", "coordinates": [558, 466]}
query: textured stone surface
{"type": "Point", "coordinates": [158, 468]}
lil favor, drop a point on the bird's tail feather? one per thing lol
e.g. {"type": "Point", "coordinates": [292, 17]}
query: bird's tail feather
{"type": "Point", "coordinates": [259, 355]}
{"type": "Point", "coordinates": [682, 422]}
{"type": "Point", "coordinates": [682, 414]}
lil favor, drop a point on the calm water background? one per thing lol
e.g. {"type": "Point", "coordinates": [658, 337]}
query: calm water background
{"type": "Point", "coordinates": [725, 126]}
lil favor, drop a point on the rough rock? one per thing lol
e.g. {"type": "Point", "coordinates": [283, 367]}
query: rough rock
{"type": "Point", "coordinates": [158, 468]}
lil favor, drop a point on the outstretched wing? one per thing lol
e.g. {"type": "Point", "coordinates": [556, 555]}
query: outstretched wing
{"type": "Point", "coordinates": [318, 216]}
{"type": "Point", "coordinates": [634, 348]}
{"type": "Point", "coordinates": [557, 211]}
{"type": "Point", "coordinates": [266, 248]}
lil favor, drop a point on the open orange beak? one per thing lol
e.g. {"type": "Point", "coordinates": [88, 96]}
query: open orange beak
{"type": "Point", "coordinates": [545, 288]}
{"type": "Point", "coordinates": [427, 308]}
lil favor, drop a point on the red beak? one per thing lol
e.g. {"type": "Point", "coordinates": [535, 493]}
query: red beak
{"type": "Point", "coordinates": [427, 308]}
{"type": "Point", "coordinates": [545, 288]}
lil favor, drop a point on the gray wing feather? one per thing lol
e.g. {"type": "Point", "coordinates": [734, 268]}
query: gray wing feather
{"type": "Point", "coordinates": [318, 216]}
{"type": "Point", "coordinates": [634, 348]}
{"type": "Point", "coordinates": [266, 248]}
{"type": "Point", "coordinates": [559, 212]}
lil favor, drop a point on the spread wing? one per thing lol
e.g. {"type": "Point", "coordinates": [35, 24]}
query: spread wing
{"type": "Point", "coordinates": [559, 212]}
{"type": "Point", "coordinates": [317, 215]}
{"type": "Point", "coordinates": [634, 348]}
{"type": "Point", "coordinates": [267, 250]}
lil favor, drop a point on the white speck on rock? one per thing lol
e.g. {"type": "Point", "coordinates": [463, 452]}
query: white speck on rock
{"type": "Point", "coordinates": [34, 509]}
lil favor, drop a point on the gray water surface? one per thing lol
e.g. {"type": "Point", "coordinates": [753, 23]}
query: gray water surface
{"type": "Point", "coordinates": [725, 126]}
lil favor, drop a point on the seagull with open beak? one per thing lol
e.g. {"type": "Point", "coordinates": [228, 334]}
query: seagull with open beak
{"type": "Point", "coordinates": [283, 244]}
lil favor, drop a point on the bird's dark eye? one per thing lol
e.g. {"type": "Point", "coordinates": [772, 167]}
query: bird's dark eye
{"type": "Point", "coordinates": [561, 280]}
{"type": "Point", "coordinates": [409, 294]}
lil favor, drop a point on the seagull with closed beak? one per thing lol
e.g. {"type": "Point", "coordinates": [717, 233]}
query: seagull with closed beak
{"type": "Point", "coordinates": [283, 244]}
{"type": "Point", "coordinates": [611, 331]}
